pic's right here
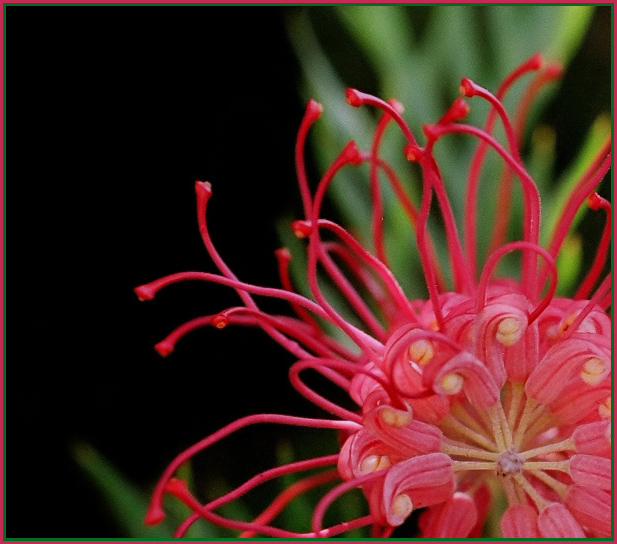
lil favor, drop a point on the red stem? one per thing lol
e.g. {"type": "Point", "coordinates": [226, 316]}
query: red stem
{"type": "Point", "coordinates": [312, 113]}
{"type": "Point", "coordinates": [284, 498]}
{"type": "Point", "coordinates": [492, 261]}
{"type": "Point", "coordinates": [531, 221]}
{"type": "Point", "coordinates": [477, 162]}
{"type": "Point", "coordinates": [599, 297]}
{"type": "Point", "coordinates": [588, 183]}
{"type": "Point", "coordinates": [549, 74]}
{"type": "Point", "coordinates": [155, 512]}
{"type": "Point", "coordinates": [596, 202]}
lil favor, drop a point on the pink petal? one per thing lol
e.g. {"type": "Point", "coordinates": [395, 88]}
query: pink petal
{"type": "Point", "coordinates": [578, 402]}
{"type": "Point", "coordinates": [593, 438]}
{"type": "Point", "coordinates": [562, 362]}
{"type": "Point", "coordinates": [555, 521]}
{"type": "Point", "coordinates": [520, 521]}
{"type": "Point", "coordinates": [591, 471]}
{"type": "Point", "coordinates": [411, 439]}
{"type": "Point", "coordinates": [425, 479]}
{"type": "Point", "coordinates": [454, 518]}
{"type": "Point", "coordinates": [591, 507]}
{"type": "Point", "coordinates": [478, 385]}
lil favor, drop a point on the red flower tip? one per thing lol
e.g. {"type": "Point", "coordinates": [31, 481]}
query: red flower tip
{"type": "Point", "coordinates": [154, 515]}
{"type": "Point", "coordinates": [457, 112]}
{"type": "Point", "coordinates": [595, 201]}
{"type": "Point", "coordinates": [430, 131]}
{"type": "Point", "coordinates": [220, 321]}
{"type": "Point", "coordinates": [413, 153]}
{"type": "Point", "coordinates": [554, 70]}
{"type": "Point", "coordinates": [351, 154]}
{"type": "Point", "coordinates": [144, 292]}
{"type": "Point", "coordinates": [354, 98]}
{"type": "Point", "coordinates": [164, 348]}
{"type": "Point", "coordinates": [177, 487]}
{"type": "Point", "coordinates": [283, 254]}
{"type": "Point", "coordinates": [535, 62]}
{"type": "Point", "coordinates": [467, 87]}
{"type": "Point", "coordinates": [203, 189]}
{"type": "Point", "coordinates": [398, 107]}
{"type": "Point", "coordinates": [301, 228]}
{"type": "Point", "coordinates": [313, 111]}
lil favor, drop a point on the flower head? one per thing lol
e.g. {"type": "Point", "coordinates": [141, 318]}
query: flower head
{"type": "Point", "coordinates": [492, 386]}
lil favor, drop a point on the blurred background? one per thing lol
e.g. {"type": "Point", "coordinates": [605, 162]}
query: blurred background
{"type": "Point", "coordinates": [111, 115]}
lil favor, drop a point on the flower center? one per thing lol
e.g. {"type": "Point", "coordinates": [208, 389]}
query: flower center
{"type": "Point", "coordinates": [512, 441]}
{"type": "Point", "coordinates": [509, 462]}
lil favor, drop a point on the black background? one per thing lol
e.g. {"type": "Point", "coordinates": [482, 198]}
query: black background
{"type": "Point", "coordinates": [111, 114]}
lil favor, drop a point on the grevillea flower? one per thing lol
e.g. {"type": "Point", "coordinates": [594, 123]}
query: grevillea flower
{"type": "Point", "coordinates": [492, 391]}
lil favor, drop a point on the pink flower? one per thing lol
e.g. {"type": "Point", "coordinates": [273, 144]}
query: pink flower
{"type": "Point", "coordinates": [490, 387]}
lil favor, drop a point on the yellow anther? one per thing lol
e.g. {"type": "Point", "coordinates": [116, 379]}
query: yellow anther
{"type": "Point", "coordinates": [509, 331]}
{"type": "Point", "coordinates": [452, 383]}
{"type": "Point", "coordinates": [593, 371]}
{"type": "Point", "coordinates": [373, 463]}
{"type": "Point", "coordinates": [605, 409]}
{"type": "Point", "coordinates": [566, 323]}
{"type": "Point", "coordinates": [402, 506]}
{"type": "Point", "coordinates": [421, 352]}
{"type": "Point", "coordinates": [395, 418]}
{"type": "Point", "coordinates": [433, 325]}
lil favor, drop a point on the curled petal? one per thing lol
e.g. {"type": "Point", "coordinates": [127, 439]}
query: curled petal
{"type": "Point", "coordinates": [417, 482]}
{"type": "Point", "coordinates": [397, 429]}
{"type": "Point", "coordinates": [465, 372]}
{"type": "Point", "coordinates": [498, 327]}
{"type": "Point", "coordinates": [363, 453]}
{"type": "Point", "coordinates": [562, 362]}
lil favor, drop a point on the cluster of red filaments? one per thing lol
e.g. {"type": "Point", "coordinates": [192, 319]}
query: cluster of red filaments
{"type": "Point", "coordinates": [493, 387]}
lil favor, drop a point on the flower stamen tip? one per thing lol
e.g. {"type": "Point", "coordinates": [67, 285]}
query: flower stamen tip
{"type": "Point", "coordinates": [352, 96]}
{"type": "Point", "coordinates": [413, 153]}
{"type": "Point", "coordinates": [421, 352]}
{"type": "Point", "coordinates": [154, 515]}
{"type": "Point", "coordinates": [395, 418]}
{"type": "Point", "coordinates": [313, 110]}
{"type": "Point", "coordinates": [401, 508]}
{"type": "Point", "coordinates": [467, 87]}
{"type": "Point", "coordinates": [374, 463]}
{"type": "Point", "coordinates": [605, 410]}
{"type": "Point", "coordinates": [164, 348]}
{"type": "Point", "coordinates": [509, 331]}
{"type": "Point", "coordinates": [203, 189]}
{"type": "Point", "coordinates": [301, 229]}
{"type": "Point", "coordinates": [594, 371]}
{"type": "Point", "coordinates": [220, 321]}
{"type": "Point", "coordinates": [451, 384]}
{"type": "Point", "coordinates": [144, 292]}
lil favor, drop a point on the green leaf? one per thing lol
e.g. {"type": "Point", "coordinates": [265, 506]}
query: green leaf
{"type": "Point", "coordinates": [127, 503]}
{"type": "Point", "coordinates": [570, 31]}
